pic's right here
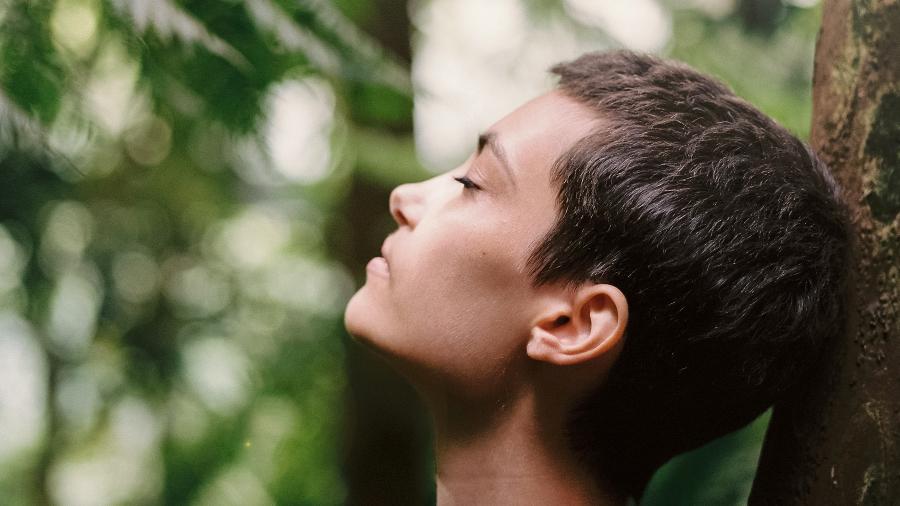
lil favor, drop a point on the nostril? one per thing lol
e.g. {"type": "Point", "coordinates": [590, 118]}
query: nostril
{"type": "Point", "coordinates": [397, 202]}
{"type": "Point", "coordinates": [400, 218]}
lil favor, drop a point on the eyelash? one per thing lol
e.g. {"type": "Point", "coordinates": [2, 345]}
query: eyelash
{"type": "Point", "coordinates": [467, 183]}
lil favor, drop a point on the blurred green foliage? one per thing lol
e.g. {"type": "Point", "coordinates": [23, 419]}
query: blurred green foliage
{"type": "Point", "coordinates": [171, 288]}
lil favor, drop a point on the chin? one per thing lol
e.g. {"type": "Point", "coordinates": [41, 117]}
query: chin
{"type": "Point", "coordinates": [361, 319]}
{"type": "Point", "coordinates": [355, 315]}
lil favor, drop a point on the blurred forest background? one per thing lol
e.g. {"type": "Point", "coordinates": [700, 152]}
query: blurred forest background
{"type": "Point", "coordinates": [188, 194]}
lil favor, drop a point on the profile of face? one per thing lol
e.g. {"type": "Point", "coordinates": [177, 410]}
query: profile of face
{"type": "Point", "coordinates": [451, 304]}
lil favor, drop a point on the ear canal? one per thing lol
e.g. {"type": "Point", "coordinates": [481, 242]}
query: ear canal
{"type": "Point", "coordinates": [562, 320]}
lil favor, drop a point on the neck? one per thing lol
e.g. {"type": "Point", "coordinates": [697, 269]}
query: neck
{"type": "Point", "coordinates": [513, 453]}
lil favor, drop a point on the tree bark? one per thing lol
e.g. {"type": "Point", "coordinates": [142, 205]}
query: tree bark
{"type": "Point", "coordinates": [837, 441]}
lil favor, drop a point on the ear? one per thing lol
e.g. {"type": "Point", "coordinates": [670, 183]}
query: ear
{"type": "Point", "coordinates": [578, 327]}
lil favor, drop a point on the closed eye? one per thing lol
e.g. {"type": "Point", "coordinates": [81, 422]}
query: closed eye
{"type": "Point", "coordinates": [467, 183]}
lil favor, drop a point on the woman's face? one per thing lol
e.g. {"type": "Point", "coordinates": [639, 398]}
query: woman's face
{"type": "Point", "coordinates": [451, 303]}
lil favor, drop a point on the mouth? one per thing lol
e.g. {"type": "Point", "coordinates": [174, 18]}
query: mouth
{"type": "Point", "coordinates": [379, 267]}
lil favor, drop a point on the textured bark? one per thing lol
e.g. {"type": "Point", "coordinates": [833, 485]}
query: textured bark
{"type": "Point", "coordinates": [838, 440]}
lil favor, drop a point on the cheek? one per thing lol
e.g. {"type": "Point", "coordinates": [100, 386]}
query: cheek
{"type": "Point", "coordinates": [452, 313]}
{"type": "Point", "coordinates": [460, 283]}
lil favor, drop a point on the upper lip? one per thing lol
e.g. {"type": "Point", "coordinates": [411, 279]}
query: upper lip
{"type": "Point", "coordinates": [384, 251]}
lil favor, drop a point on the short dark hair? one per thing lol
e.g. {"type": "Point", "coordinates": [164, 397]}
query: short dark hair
{"type": "Point", "coordinates": [729, 239]}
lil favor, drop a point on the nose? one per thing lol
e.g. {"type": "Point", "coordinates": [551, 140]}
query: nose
{"type": "Point", "coordinates": [406, 205]}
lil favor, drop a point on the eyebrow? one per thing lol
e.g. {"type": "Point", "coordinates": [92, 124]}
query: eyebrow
{"type": "Point", "coordinates": [490, 140]}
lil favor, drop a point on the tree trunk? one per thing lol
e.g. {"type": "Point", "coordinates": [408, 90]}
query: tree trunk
{"type": "Point", "coordinates": [838, 441]}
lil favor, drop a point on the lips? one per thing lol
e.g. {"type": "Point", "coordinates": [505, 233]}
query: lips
{"type": "Point", "coordinates": [378, 266]}
{"type": "Point", "coordinates": [386, 250]}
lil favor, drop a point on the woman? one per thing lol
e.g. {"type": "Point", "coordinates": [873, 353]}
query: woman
{"type": "Point", "coordinates": [627, 267]}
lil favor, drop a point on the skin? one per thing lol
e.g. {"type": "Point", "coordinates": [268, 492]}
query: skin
{"type": "Point", "coordinates": [451, 306]}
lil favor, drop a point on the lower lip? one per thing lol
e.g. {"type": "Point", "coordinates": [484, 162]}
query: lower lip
{"type": "Point", "coordinates": [378, 266]}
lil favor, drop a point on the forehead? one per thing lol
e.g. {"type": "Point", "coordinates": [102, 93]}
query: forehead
{"type": "Point", "coordinates": [541, 130]}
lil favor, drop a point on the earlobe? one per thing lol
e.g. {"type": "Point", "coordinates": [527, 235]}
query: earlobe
{"type": "Point", "coordinates": [589, 323]}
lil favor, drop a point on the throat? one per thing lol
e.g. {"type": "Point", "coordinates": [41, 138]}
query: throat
{"type": "Point", "coordinates": [511, 457]}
